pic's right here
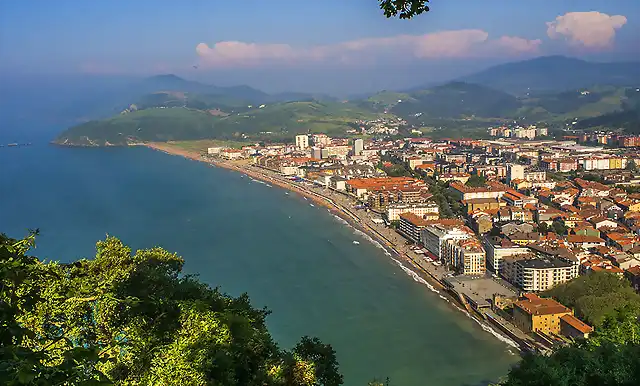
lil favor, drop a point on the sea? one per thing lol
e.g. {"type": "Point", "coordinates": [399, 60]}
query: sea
{"type": "Point", "coordinates": [298, 260]}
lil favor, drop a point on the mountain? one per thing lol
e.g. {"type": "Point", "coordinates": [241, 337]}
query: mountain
{"type": "Point", "coordinates": [555, 73]}
{"type": "Point", "coordinates": [269, 122]}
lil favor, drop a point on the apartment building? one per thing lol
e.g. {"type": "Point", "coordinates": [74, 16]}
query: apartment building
{"type": "Point", "coordinates": [411, 226]}
{"type": "Point", "coordinates": [428, 210]}
{"type": "Point", "coordinates": [302, 142]}
{"type": "Point", "coordinates": [534, 273]}
{"type": "Point", "coordinates": [435, 236]}
{"type": "Point", "coordinates": [498, 248]}
{"type": "Point", "coordinates": [491, 190]}
{"type": "Point", "coordinates": [467, 256]}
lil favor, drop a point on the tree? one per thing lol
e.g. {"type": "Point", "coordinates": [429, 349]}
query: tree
{"type": "Point", "coordinates": [559, 228]}
{"type": "Point", "coordinates": [610, 357]}
{"type": "Point", "coordinates": [543, 228]}
{"type": "Point", "coordinates": [631, 166]}
{"type": "Point", "coordinates": [597, 295]}
{"type": "Point", "coordinates": [476, 181]}
{"type": "Point", "coordinates": [124, 318]}
{"type": "Point", "coordinates": [404, 9]}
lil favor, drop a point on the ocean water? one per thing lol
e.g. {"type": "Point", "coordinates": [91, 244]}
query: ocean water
{"type": "Point", "coordinates": [295, 259]}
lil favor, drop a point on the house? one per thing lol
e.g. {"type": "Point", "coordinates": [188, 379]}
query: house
{"type": "Point", "coordinates": [511, 228]}
{"type": "Point", "coordinates": [572, 327]}
{"type": "Point", "coordinates": [601, 222]}
{"type": "Point", "coordinates": [633, 275]}
{"type": "Point", "coordinates": [546, 316]}
{"type": "Point", "coordinates": [482, 223]}
{"type": "Point", "coordinates": [522, 238]}
{"type": "Point", "coordinates": [585, 242]}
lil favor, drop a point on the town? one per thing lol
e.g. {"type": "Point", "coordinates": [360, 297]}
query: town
{"type": "Point", "coordinates": [495, 223]}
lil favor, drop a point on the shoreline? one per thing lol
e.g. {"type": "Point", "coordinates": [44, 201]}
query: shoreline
{"type": "Point", "coordinates": [404, 260]}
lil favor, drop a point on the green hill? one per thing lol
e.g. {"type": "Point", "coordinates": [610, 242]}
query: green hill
{"type": "Point", "coordinates": [457, 100]}
{"type": "Point", "coordinates": [277, 121]}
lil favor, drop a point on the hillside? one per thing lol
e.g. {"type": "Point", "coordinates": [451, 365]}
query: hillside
{"type": "Point", "coordinates": [277, 121]}
{"type": "Point", "coordinates": [555, 73]}
{"type": "Point", "coordinates": [626, 117]}
{"type": "Point", "coordinates": [457, 100]}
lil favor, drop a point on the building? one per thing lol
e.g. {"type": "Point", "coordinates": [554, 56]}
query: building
{"type": "Point", "coordinates": [214, 150]}
{"type": "Point", "coordinates": [435, 236]}
{"type": "Point", "coordinates": [498, 248]}
{"type": "Point", "coordinates": [411, 226]}
{"type": "Point", "coordinates": [534, 314]}
{"type": "Point", "coordinates": [490, 190]}
{"type": "Point", "coordinates": [360, 187]}
{"type": "Point", "coordinates": [302, 142]}
{"type": "Point", "coordinates": [572, 327]}
{"type": "Point", "coordinates": [534, 273]}
{"type": "Point", "coordinates": [232, 154]}
{"type": "Point", "coordinates": [428, 210]}
{"type": "Point", "coordinates": [466, 256]}
{"type": "Point", "coordinates": [515, 172]}
{"type": "Point", "coordinates": [358, 146]}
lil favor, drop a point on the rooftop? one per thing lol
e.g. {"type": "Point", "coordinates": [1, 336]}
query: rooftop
{"type": "Point", "coordinates": [532, 304]}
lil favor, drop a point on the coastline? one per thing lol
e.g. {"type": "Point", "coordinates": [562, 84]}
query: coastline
{"type": "Point", "coordinates": [406, 262]}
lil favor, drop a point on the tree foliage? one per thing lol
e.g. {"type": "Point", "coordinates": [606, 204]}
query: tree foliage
{"type": "Point", "coordinates": [476, 181]}
{"type": "Point", "coordinates": [597, 295]}
{"type": "Point", "coordinates": [610, 357]}
{"type": "Point", "coordinates": [404, 9]}
{"type": "Point", "coordinates": [135, 319]}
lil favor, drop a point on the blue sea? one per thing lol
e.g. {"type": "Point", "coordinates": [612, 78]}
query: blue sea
{"type": "Point", "coordinates": [296, 259]}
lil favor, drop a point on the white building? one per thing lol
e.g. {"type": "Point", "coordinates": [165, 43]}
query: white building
{"type": "Point", "coordinates": [533, 274]}
{"type": "Point", "coordinates": [302, 142]}
{"type": "Point", "coordinates": [435, 237]}
{"type": "Point", "coordinates": [498, 249]}
{"type": "Point", "coordinates": [214, 150]}
{"type": "Point", "coordinates": [515, 172]}
{"type": "Point", "coordinates": [358, 146]}
{"type": "Point", "coordinates": [419, 209]}
{"type": "Point", "coordinates": [466, 256]}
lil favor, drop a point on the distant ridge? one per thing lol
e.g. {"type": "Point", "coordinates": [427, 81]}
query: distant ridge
{"type": "Point", "coordinates": [555, 73]}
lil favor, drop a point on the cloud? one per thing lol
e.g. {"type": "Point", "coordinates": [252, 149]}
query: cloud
{"type": "Point", "coordinates": [437, 45]}
{"type": "Point", "coordinates": [517, 44]}
{"type": "Point", "coordinates": [589, 29]}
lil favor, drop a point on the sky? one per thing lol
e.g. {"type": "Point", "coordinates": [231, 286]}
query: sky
{"type": "Point", "coordinates": [329, 46]}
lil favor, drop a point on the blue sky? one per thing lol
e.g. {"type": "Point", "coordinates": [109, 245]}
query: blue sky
{"type": "Point", "coordinates": [305, 45]}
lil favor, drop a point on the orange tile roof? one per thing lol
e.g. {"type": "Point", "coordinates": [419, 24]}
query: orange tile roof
{"type": "Point", "coordinates": [584, 239]}
{"type": "Point", "coordinates": [535, 305]}
{"type": "Point", "coordinates": [577, 324]}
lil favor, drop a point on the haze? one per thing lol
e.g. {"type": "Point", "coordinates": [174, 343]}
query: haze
{"type": "Point", "coordinates": [331, 46]}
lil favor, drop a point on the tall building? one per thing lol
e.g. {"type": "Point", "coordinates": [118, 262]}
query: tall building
{"type": "Point", "coordinates": [302, 142]}
{"type": "Point", "coordinates": [515, 172]}
{"type": "Point", "coordinates": [358, 146]}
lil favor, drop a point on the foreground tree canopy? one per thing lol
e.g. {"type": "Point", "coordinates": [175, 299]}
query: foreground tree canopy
{"type": "Point", "coordinates": [134, 319]}
{"type": "Point", "coordinates": [596, 295]}
{"type": "Point", "coordinates": [404, 9]}
{"type": "Point", "coordinates": [610, 357]}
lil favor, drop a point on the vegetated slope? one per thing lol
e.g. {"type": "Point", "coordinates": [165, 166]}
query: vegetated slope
{"type": "Point", "coordinates": [627, 117]}
{"type": "Point", "coordinates": [458, 100]}
{"type": "Point", "coordinates": [555, 73]}
{"type": "Point", "coordinates": [569, 105]}
{"type": "Point", "coordinates": [277, 121]}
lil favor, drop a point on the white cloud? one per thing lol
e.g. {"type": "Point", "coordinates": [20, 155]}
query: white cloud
{"type": "Point", "coordinates": [436, 45]}
{"type": "Point", "coordinates": [589, 29]}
